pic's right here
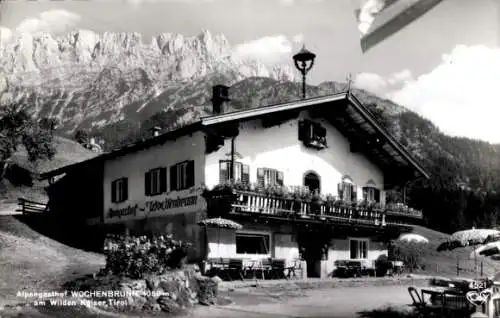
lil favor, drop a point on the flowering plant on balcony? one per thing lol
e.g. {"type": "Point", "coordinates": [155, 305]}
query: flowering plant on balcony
{"type": "Point", "coordinates": [330, 199]}
{"type": "Point", "coordinates": [275, 191]}
{"type": "Point", "coordinates": [301, 193]}
{"type": "Point", "coordinates": [362, 204]}
{"type": "Point", "coordinates": [402, 208]}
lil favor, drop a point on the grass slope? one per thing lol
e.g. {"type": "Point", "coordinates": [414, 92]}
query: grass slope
{"type": "Point", "coordinates": [32, 262]}
{"type": "Point", "coordinates": [445, 263]}
{"type": "Point", "coordinates": [68, 152]}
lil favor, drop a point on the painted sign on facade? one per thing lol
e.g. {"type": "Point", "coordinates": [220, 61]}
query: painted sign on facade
{"type": "Point", "coordinates": [155, 207]}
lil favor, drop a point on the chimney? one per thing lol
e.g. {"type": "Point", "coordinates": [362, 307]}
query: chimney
{"type": "Point", "coordinates": [220, 95]}
{"type": "Point", "coordinates": [155, 131]}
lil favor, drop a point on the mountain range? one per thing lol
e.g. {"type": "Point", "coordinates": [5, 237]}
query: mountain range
{"type": "Point", "coordinates": [87, 79]}
{"type": "Point", "coordinates": [117, 86]}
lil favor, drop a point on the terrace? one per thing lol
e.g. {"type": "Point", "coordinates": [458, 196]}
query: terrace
{"type": "Point", "coordinates": [297, 203]}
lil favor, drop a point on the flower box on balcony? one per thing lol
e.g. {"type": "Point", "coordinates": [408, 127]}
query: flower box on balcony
{"type": "Point", "coordinates": [299, 202]}
{"type": "Point", "coordinates": [319, 143]}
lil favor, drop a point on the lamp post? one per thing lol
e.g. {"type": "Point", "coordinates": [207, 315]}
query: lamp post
{"type": "Point", "coordinates": [304, 61]}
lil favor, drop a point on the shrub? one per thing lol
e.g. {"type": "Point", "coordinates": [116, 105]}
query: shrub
{"type": "Point", "coordinates": [135, 257]}
{"type": "Point", "coordinates": [382, 265]}
{"type": "Point", "coordinates": [410, 253]}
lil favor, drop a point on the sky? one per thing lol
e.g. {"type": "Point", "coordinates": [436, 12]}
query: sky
{"type": "Point", "coordinates": [445, 66]}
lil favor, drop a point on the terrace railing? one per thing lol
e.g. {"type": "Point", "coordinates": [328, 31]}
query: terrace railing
{"type": "Point", "coordinates": [250, 202]}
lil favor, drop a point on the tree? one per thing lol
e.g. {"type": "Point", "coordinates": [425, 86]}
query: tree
{"type": "Point", "coordinates": [19, 129]}
{"type": "Point", "coordinates": [49, 124]}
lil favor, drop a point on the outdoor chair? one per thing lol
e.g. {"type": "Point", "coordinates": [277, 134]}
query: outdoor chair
{"type": "Point", "coordinates": [292, 268]}
{"type": "Point", "coordinates": [423, 310]}
{"type": "Point", "coordinates": [278, 267]}
{"type": "Point", "coordinates": [236, 267]}
{"type": "Point", "coordinates": [224, 268]}
{"type": "Point", "coordinates": [265, 267]}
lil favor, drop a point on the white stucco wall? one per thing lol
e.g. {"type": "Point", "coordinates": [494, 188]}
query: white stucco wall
{"type": "Point", "coordinates": [222, 243]}
{"type": "Point", "coordinates": [134, 165]}
{"type": "Point", "coordinates": [340, 250]}
{"type": "Point", "coordinates": [278, 147]}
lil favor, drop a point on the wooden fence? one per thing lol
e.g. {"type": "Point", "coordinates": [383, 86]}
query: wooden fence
{"type": "Point", "coordinates": [28, 207]}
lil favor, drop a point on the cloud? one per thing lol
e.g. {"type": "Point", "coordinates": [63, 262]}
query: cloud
{"type": "Point", "coordinates": [267, 49]}
{"type": "Point", "coordinates": [460, 95]}
{"type": "Point", "coordinates": [5, 35]}
{"type": "Point", "coordinates": [367, 12]}
{"type": "Point", "coordinates": [371, 82]}
{"type": "Point", "coordinates": [49, 21]}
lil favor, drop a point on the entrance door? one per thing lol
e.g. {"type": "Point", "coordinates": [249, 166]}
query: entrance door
{"type": "Point", "coordinates": [311, 180]}
{"type": "Point", "coordinates": [311, 251]}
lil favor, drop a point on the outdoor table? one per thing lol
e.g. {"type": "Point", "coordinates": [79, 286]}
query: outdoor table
{"type": "Point", "coordinates": [254, 265]}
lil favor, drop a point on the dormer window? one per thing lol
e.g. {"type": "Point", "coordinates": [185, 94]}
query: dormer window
{"type": "Point", "coordinates": [370, 192]}
{"type": "Point", "coordinates": [312, 134]}
{"type": "Point", "coordinates": [347, 189]}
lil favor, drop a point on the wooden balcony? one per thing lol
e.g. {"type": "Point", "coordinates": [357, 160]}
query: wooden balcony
{"type": "Point", "coordinates": [237, 201]}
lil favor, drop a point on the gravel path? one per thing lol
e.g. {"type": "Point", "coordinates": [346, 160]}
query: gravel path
{"type": "Point", "coordinates": [332, 303]}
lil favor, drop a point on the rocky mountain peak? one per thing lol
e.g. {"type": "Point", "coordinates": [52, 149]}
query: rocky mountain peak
{"type": "Point", "coordinates": [93, 78]}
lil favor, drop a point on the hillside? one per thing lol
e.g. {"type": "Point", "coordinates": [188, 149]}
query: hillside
{"type": "Point", "coordinates": [18, 182]}
{"type": "Point", "coordinates": [32, 262]}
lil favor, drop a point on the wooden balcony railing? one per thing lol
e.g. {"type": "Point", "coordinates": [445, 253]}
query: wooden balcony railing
{"type": "Point", "coordinates": [242, 201]}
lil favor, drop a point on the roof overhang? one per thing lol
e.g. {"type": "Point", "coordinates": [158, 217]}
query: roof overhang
{"type": "Point", "coordinates": [257, 112]}
{"type": "Point", "coordinates": [354, 112]}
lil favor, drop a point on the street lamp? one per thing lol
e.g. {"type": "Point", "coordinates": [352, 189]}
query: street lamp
{"type": "Point", "coordinates": [301, 60]}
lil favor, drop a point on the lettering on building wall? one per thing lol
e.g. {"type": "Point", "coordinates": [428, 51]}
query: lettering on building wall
{"type": "Point", "coordinates": [151, 207]}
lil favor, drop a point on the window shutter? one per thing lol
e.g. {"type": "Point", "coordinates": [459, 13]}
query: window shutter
{"type": "Point", "coordinates": [190, 174]}
{"type": "Point", "coordinates": [377, 195]}
{"type": "Point", "coordinates": [113, 191]}
{"type": "Point", "coordinates": [321, 131]}
{"type": "Point", "coordinates": [260, 177]}
{"type": "Point", "coordinates": [173, 178]}
{"type": "Point", "coordinates": [223, 171]}
{"type": "Point", "coordinates": [279, 178]}
{"type": "Point", "coordinates": [125, 189]}
{"type": "Point", "coordinates": [365, 193]}
{"type": "Point", "coordinates": [245, 174]}
{"type": "Point", "coordinates": [302, 130]}
{"type": "Point", "coordinates": [147, 183]}
{"type": "Point", "coordinates": [340, 190]}
{"type": "Point", "coordinates": [354, 195]}
{"type": "Point", "coordinates": [163, 180]}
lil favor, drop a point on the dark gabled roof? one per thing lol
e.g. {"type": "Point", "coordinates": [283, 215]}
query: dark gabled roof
{"type": "Point", "coordinates": [396, 149]}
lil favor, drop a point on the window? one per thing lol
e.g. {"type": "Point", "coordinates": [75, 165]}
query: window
{"type": "Point", "coordinates": [182, 175]}
{"type": "Point", "coordinates": [269, 177]}
{"type": "Point", "coordinates": [241, 172]}
{"type": "Point", "coordinates": [359, 248]}
{"type": "Point", "coordinates": [119, 190]}
{"type": "Point", "coordinates": [312, 134]}
{"type": "Point", "coordinates": [251, 243]}
{"type": "Point", "coordinates": [155, 181]}
{"type": "Point", "coordinates": [371, 194]}
{"type": "Point", "coordinates": [347, 190]}
{"type": "Point", "coordinates": [311, 180]}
